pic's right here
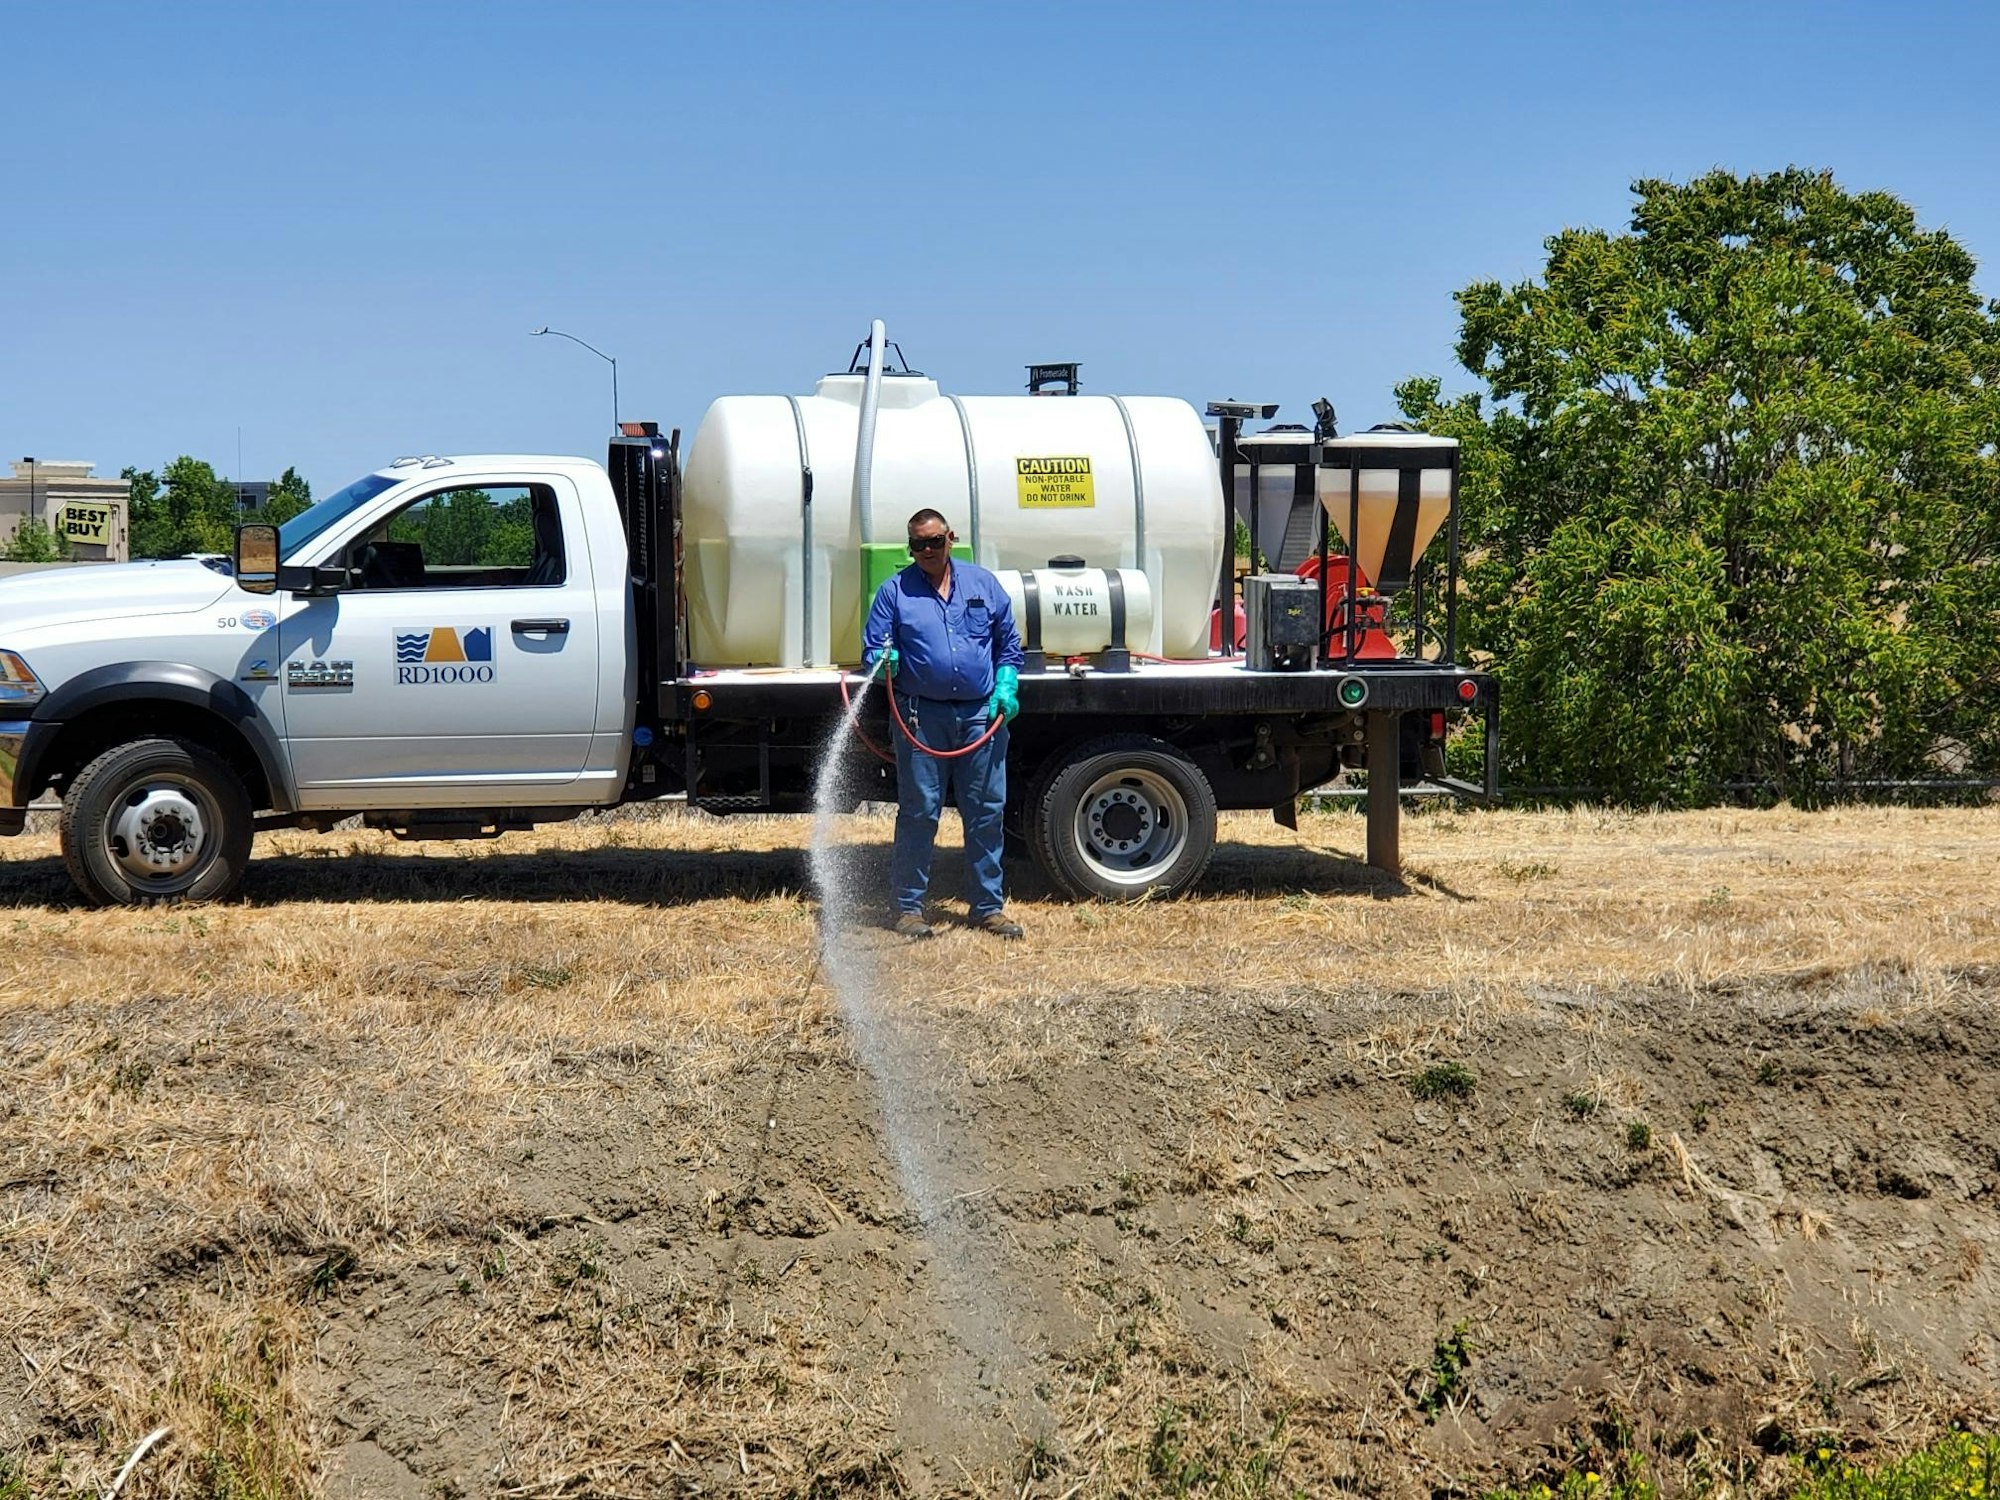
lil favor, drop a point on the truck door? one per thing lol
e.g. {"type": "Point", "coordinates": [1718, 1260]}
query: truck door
{"type": "Point", "coordinates": [459, 667]}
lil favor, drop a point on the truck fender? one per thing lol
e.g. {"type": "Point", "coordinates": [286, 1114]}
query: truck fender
{"type": "Point", "coordinates": [154, 681]}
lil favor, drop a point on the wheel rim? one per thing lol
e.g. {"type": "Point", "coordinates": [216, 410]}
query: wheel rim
{"type": "Point", "coordinates": [161, 833]}
{"type": "Point", "coordinates": [1131, 825]}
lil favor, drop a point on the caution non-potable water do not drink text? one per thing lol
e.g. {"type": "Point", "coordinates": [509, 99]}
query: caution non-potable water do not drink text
{"type": "Point", "coordinates": [1052, 483]}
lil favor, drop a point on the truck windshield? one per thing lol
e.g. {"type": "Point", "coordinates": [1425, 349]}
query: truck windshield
{"type": "Point", "coordinates": [321, 514]}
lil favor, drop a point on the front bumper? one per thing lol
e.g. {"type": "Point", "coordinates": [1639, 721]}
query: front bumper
{"type": "Point", "coordinates": [13, 736]}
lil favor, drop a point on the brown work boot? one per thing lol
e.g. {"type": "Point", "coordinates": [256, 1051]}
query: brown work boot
{"type": "Point", "coordinates": [996, 924]}
{"type": "Point", "coordinates": [911, 925]}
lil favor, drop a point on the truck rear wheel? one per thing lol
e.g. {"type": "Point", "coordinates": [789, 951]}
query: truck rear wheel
{"type": "Point", "coordinates": [153, 821]}
{"type": "Point", "coordinates": [1123, 817]}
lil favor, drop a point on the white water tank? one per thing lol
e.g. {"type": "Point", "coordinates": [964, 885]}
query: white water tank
{"type": "Point", "coordinates": [1070, 610]}
{"type": "Point", "coordinates": [1121, 482]}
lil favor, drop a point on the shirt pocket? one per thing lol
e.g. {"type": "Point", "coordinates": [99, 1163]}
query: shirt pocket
{"type": "Point", "coordinates": [978, 623]}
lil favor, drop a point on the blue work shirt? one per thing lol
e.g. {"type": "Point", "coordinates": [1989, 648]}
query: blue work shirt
{"type": "Point", "coordinates": [948, 647]}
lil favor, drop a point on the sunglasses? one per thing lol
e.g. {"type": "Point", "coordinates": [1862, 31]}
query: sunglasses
{"type": "Point", "coordinates": [920, 544]}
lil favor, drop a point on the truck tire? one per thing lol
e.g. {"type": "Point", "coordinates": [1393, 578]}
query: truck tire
{"type": "Point", "coordinates": [1122, 817]}
{"type": "Point", "coordinates": [153, 821]}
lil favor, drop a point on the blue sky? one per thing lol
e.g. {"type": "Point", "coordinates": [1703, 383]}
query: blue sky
{"type": "Point", "coordinates": [332, 227]}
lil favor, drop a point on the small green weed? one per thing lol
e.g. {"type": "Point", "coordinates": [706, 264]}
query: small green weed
{"type": "Point", "coordinates": [1445, 1080]}
{"type": "Point", "coordinates": [1039, 1462]}
{"type": "Point", "coordinates": [1525, 870]}
{"type": "Point", "coordinates": [334, 1267]}
{"type": "Point", "coordinates": [1582, 1106]}
{"type": "Point", "coordinates": [1248, 1235]}
{"type": "Point", "coordinates": [1586, 1484]}
{"type": "Point", "coordinates": [1639, 1136]}
{"type": "Point", "coordinates": [1182, 1459]}
{"type": "Point", "coordinates": [1444, 1382]}
{"type": "Point", "coordinates": [241, 1445]}
{"type": "Point", "coordinates": [1965, 1466]}
{"type": "Point", "coordinates": [578, 1263]}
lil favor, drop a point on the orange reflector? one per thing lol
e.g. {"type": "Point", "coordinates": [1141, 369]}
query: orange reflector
{"type": "Point", "coordinates": [702, 701]}
{"type": "Point", "coordinates": [1468, 690]}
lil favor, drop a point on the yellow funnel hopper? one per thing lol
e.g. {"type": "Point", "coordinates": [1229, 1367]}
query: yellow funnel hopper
{"type": "Point", "coordinates": [1388, 492]}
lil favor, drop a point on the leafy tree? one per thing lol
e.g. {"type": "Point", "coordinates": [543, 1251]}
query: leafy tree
{"type": "Point", "coordinates": [201, 504]}
{"type": "Point", "coordinates": [471, 528]}
{"type": "Point", "coordinates": [290, 495]}
{"type": "Point", "coordinates": [34, 541]}
{"type": "Point", "coordinates": [147, 529]}
{"type": "Point", "coordinates": [187, 508]}
{"type": "Point", "coordinates": [1732, 507]}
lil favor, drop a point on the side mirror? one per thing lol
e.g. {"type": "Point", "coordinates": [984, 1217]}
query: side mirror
{"type": "Point", "coordinates": [257, 559]}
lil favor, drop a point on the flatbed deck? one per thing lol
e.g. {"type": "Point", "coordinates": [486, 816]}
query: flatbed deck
{"type": "Point", "coordinates": [1218, 685]}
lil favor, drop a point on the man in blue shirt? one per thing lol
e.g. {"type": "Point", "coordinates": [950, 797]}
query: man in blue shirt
{"type": "Point", "coordinates": [953, 657]}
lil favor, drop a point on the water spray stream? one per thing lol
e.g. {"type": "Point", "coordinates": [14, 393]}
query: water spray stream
{"type": "Point", "coordinates": [878, 1037]}
{"type": "Point", "coordinates": [904, 1066]}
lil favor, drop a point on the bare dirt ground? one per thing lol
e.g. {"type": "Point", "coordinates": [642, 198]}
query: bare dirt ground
{"type": "Point", "coordinates": [545, 1168]}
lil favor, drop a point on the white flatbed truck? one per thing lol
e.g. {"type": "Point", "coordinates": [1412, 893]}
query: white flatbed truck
{"type": "Point", "coordinates": [367, 659]}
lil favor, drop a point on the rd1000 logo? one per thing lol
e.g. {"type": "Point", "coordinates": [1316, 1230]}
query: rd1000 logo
{"type": "Point", "coordinates": [431, 655]}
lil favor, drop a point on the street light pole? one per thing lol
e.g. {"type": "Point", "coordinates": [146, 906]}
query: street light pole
{"type": "Point", "coordinates": [31, 485]}
{"type": "Point", "coordinates": [535, 333]}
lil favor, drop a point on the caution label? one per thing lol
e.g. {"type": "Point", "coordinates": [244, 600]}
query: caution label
{"type": "Point", "coordinates": [77, 522]}
{"type": "Point", "coordinates": [1054, 483]}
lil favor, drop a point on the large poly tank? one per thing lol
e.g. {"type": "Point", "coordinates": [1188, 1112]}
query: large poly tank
{"type": "Point", "coordinates": [1121, 482]}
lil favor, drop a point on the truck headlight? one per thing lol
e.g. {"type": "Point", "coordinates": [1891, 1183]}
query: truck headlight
{"type": "Point", "coordinates": [19, 686]}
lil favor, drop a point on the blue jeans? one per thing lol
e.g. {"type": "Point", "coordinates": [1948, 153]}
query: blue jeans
{"type": "Point", "coordinates": [980, 782]}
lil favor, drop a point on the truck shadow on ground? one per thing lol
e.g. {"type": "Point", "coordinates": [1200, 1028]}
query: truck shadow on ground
{"type": "Point", "coordinates": [672, 877]}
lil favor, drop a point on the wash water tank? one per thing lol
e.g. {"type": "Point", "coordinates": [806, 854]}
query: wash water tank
{"type": "Point", "coordinates": [777, 568]}
{"type": "Point", "coordinates": [1067, 609]}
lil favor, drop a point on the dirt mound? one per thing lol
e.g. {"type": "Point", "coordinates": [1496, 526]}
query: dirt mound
{"type": "Point", "coordinates": [578, 1189]}
{"type": "Point", "coordinates": [1283, 1236]}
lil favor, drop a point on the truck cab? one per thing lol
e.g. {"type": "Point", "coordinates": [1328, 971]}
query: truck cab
{"type": "Point", "coordinates": [451, 640]}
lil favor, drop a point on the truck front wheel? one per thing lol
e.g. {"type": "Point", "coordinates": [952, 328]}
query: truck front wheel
{"type": "Point", "coordinates": [156, 820]}
{"type": "Point", "coordinates": [1123, 817]}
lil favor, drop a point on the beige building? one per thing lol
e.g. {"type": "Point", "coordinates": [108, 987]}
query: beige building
{"type": "Point", "coordinates": [86, 512]}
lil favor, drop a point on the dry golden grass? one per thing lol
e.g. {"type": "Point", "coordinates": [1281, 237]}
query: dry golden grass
{"type": "Point", "coordinates": [200, 1109]}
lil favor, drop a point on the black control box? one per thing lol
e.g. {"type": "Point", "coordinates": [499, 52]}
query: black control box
{"type": "Point", "coordinates": [1281, 622]}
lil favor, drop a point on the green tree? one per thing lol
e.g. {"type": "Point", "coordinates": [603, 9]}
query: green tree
{"type": "Point", "coordinates": [1732, 509]}
{"type": "Point", "coordinates": [33, 541]}
{"type": "Point", "coordinates": [186, 508]}
{"type": "Point", "coordinates": [148, 531]}
{"type": "Point", "coordinates": [201, 504]}
{"type": "Point", "coordinates": [290, 495]}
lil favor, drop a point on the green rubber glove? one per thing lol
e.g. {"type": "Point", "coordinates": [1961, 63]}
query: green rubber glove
{"type": "Point", "coordinates": [1006, 699]}
{"type": "Point", "coordinates": [890, 659]}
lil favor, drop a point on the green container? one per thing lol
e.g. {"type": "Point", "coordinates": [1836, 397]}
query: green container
{"type": "Point", "coordinates": [881, 561]}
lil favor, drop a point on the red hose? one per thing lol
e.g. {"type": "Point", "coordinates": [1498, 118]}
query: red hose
{"type": "Point", "coordinates": [860, 733]}
{"type": "Point", "coordinates": [896, 711]}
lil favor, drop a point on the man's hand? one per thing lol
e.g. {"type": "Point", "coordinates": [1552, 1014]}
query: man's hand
{"type": "Point", "coordinates": [1006, 700]}
{"type": "Point", "coordinates": [890, 657]}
